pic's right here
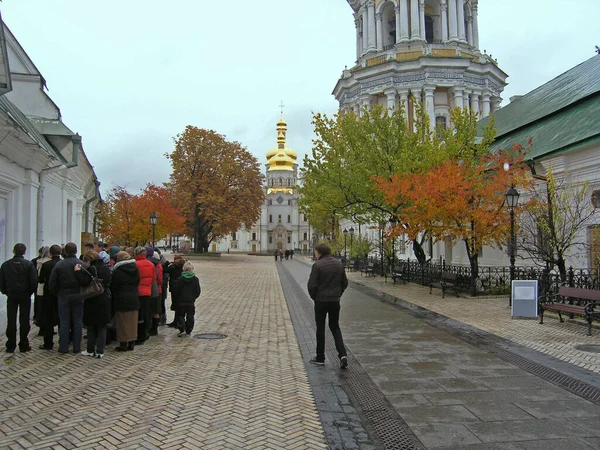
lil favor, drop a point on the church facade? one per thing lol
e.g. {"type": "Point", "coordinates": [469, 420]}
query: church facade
{"type": "Point", "coordinates": [281, 225]}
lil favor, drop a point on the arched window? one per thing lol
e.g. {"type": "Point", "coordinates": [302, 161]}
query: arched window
{"type": "Point", "coordinates": [289, 182]}
{"type": "Point", "coordinates": [281, 182]}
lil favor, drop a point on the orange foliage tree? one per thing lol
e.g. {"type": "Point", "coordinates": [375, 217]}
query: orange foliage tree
{"type": "Point", "coordinates": [125, 217]}
{"type": "Point", "coordinates": [216, 183]}
{"type": "Point", "coordinates": [459, 199]}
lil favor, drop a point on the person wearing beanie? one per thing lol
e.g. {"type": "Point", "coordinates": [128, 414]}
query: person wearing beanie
{"type": "Point", "coordinates": [113, 253]}
{"type": "Point", "coordinates": [126, 301]}
{"type": "Point", "coordinates": [147, 278]}
{"type": "Point", "coordinates": [155, 300]}
{"type": "Point", "coordinates": [188, 291]}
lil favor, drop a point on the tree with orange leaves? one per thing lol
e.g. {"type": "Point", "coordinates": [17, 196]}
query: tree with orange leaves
{"type": "Point", "coordinates": [461, 198]}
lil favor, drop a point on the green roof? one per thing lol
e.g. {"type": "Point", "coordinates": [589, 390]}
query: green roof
{"type": "Point", "coordinates": [563, 114]}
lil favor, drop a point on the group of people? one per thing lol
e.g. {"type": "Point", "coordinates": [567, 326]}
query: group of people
{"type": "Point", "coordinates": [280, 254]}
{"type": "Point", "coordinates": [129, 294]}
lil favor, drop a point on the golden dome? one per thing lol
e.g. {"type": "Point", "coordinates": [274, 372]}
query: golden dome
{"type": "Point", "coordinates": [283, 155]}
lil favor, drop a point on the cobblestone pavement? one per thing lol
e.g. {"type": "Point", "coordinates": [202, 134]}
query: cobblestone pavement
{"type": "Point", "coordinates": [249, 390]}
{"type": "Point", "coordinates": [493, 316]}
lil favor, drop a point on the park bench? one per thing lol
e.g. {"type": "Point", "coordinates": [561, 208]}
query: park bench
{"type": "Point", "coordinates": [572, 301]}
{"type": "Point", "coordinates": [447, 281]}
{"type": "Point", "coordinates": [367, 270]}
{"type": "Point", "coordinates": [401, 275]}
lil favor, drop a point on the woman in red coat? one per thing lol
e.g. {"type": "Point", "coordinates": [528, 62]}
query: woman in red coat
{"type": "Point", "coordinates": [147, 277]}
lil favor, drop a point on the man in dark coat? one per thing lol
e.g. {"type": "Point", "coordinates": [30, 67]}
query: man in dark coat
{"type": "Point", "coordinates": [70, 304]}
{"type": "Point", "coordinates": [174, 271]}
{"type": "Point", "coordinates": [188, 291]}
{"type": "Point", "coordinates": [49, 307]}
{"type": "Point", "coordinates": [326, 285]}
{"type": "Point", "coordinates": [18, 281]}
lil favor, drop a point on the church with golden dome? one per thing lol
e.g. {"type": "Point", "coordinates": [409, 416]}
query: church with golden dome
{"type": "Point", "coordinates": [281, 226]}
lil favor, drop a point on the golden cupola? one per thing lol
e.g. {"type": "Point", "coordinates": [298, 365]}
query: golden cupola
{"type": "Point", "coordinates": [281, 157]}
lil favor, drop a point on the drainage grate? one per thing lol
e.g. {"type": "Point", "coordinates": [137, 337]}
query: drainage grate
{"type": "Point", "coordinates": [588, 348]}
{"type": "Point", "coordinates": [210, 336]}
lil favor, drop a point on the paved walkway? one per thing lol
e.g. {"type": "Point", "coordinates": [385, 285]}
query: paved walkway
{"type": "Point", "coordinates": [452, 394]}
{"type": "Point", "coordinates": [493, 316]}
{"type": "Point", "coordinates": [247, 391]}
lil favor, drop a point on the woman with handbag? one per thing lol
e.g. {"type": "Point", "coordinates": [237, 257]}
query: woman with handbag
{"type": "Point", "coordinates": [95, 281]}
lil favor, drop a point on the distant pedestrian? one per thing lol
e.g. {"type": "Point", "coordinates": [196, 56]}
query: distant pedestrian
{"type": "Point", "coordinates": [292, 254]}
{"type": "Point", "coordinates": [276, 254]}
{"type": "Point", "coordinates": [147, 278]}
{"type": "Point", "coordinates": [37, 298]}
{"type": "Point", "coordinates": [126, 303]}
{"type": "Point", "coordinates": [63, 283]}
{"type": "Point", "coordinates": [326, 285]}
{"type": "Point", "coordinates": [18, 281]}
{"type": "Point", "coordinates": [49, 308]}
{"type": "Point", "coordinates": [188, 291]}
{"type": "Point", "coordinates": [97, 309]}
{"type": "Point", "coordinates": [174, 271]}
{"type": "Point", "coordinates": [287, 254]}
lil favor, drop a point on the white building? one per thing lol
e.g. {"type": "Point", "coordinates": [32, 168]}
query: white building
{"type": "Point", "coordinates": [48, 189]}
{"type": "Point", "coordinates": [281, 224]}
{"type": "Point", "coordinates": [426, 50]}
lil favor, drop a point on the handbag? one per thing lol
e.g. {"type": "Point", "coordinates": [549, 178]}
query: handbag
{"type": "Point", "coordinates": [94, 289]}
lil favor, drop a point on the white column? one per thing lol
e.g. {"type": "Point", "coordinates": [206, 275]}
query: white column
{"type": "Point", "coordinates": [398, 25]}
{"type": "Point", "coordinates": [452, 24]}
{"type": "Point", "coordinates": [403, 94]}
{"type": "Point", "coordinates": [358, 39]}
{"type": "Point", "coordinates": [371, 28]}
{"type": "Point", "coordinates": [485, 104]}
{"type": "Point", "coordinates": [422, 19]}
{"type": "Point", "coordinates": [475, 103]}
{"type": "Point", "coordinates": [379, 18]}
{"type": "Point", "coordinates": [416, 93]}
{"type": "Point", "coordinates": [415, 32]}
{"type": "Point", "coordinates": [475, 24]}
{"type": "Point", "coordinates": [430, 105]}
{"type": "Point", "coordinates": [356, 109]}
{"type": "Point", "coordinates": [391, 100]}
{"type": "Point", "coordinates": [444, 10]}
{"type": "Point", "coordinates": [470, 30]}
{"type": "Point", "coordinates": [402, 10]}
{"type": "Point", "coordinates": [496, 101]}
{"type": "Point", "coordinates": [365, 32]}
{"type": "Point", "coordinates": [460, 7]}
{"type": "Point", "coordinates": [458, 97]}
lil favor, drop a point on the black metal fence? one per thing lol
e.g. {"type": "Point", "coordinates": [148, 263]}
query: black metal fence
{"type": "Point", "coordinates": [492, 280]}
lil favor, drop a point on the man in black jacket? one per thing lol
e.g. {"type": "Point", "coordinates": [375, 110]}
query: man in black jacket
{"type": "Point", "coordinates": [49, 307]}
{"type": "Point", "coordinates": [18, 281]}
{"type": "Point", "coordinates": [63, 283]}
{"type": "Point", "coordinates": [326, 285]}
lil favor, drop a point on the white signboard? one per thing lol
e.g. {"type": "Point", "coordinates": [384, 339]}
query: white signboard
{"type": "Point", "coordinates": [524, 298]}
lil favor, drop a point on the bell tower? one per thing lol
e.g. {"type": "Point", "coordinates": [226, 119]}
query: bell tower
{"type": "Point", "coordinates": [425, 50]}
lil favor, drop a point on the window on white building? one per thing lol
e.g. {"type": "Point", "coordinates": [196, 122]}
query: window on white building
{"type": "Point", "coordinates": [596, 199]}
{"type": "Point", "coordinates": [253, 236]}
{"type": "Point", "coordinates": [270, 239]}
{"type": "Point", "coordinates": [289, 240]}
{"type": "Point", "coordinates": [305, 236]}
{"type": "Point", "coordinates": [289, 218]}
{"type": "Point", "coordinates": [270, 218]}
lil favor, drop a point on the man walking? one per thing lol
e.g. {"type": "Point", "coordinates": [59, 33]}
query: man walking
{"type": "Point", "coordinates": [63, 283]}
{"type": "Point", "coordinates": [18, 281]}
{"type": "Point", "coordinates": [326, 285]}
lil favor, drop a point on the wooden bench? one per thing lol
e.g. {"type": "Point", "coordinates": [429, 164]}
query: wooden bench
{"type": "Point", "coordinates": [447, 281]}
{"type": "Point", "coordinates": [368, 270]}
{"type": "Point", "coordinates": [402, 276]}
{"type": "Point", "coordinates": [563, 303]}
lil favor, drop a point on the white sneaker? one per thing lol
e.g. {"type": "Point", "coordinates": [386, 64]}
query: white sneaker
{"type": "Point", "coordinates": [85, 353]}
{"type": "Point", "coordinates": [182, 334]}
{"type": "Point", "coordinates": [99, 355]}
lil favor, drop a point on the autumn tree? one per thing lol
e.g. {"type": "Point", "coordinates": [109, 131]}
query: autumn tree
{"type": "Point", "coordinates": [124, 217]}
{"type": "Point", "coordinates": [217, 184]}
{"type": "Point", "coordinates": [349, 149]}
{"type": "Point", "coordinates": [553, 226]}
{"type": "Point", "coordinates": [461, 198]}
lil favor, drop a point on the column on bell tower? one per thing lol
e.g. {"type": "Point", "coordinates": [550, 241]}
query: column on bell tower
{"type": "Point", "coordinates": [474, 12]}
{"type": "Point", "coordinates": [415, 29]}
{"type": "Point", "coordinates": [358, 38]}
{"type": "Point", "coordinates": [371, 27]}
{"type": "Point", "coordinates": [452, 21]}
{"type": "Point", "coordinates": [460, 6]}
{"type": "Point", "coordinates": [365, 33]}
{"type": "Point", "coordinates": [402, 13]}
{"type": "Point", "coordinates": [379, 22]}
{"type": "Point", "coordinates": [444, 13]}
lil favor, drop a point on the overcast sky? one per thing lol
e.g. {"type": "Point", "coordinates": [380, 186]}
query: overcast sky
{"type": "Point", "coordinates": [129, 75]}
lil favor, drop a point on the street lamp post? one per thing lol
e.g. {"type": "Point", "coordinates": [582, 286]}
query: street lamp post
{"type": "Point", "coordinates": [153, 220]}
{"type": "Point", "coordinates": [512, 200]}
{"type": "Point", "coordinates": [351, 239]}
{"type": "Point", "coordinates": [345, 249]}
{"type": "Point", "coordinates": [393, 222]}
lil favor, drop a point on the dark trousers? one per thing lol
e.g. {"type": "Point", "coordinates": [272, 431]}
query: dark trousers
{"type": "Point", "coordinates": [48, 318]}
{"type": "Point", "coordinates": [185, 318]}
{"type": "Point", "coordinates": [20, 304]}
{"type": "Point", "coordinates": [145, 316]}
{"type": "Point", "coordinates": [70, 313]}
{"type": "Point", "coordinates": [322, 309]}
{"type": "Point", "coordinates": [96, 338]}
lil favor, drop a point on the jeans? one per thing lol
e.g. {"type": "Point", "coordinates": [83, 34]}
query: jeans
{"type": "Point", "coordinates": [96, 339]}
{"type": "Point", "coordinates": [185, 318]}
{"type": "Point", "coordinates": [321, 311]}
{"type": "Point", "coordinates": [70, 311]}
{"type": "Point", "coordinates": [22, 305]}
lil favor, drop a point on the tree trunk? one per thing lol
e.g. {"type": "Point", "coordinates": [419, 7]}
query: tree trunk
{"type": "Point", "coordinates": [419, 252]}
{"type": "Point", "coordinates": [562, 268]}
{"type": "Point", "coordinates": [474, 261]}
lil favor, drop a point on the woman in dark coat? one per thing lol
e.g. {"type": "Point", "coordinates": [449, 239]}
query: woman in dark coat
{"type": "Point", "coordinates": [96, 314]}
{"type": "Point", "coordinates": [126, 301]}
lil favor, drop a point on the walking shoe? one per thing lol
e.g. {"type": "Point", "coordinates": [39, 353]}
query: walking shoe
{"type": "Point", "coordinates": [182, 334]}
{"type": "Point", "coordinates": [172, 324]}
{"type": "Point", "coordinates": [130, 346]}
{"type": "Point", "coordinates": [25, 349]}
{"type": "Point", "coordinates": [343, 362]}
{"type": "Point", "coordinates": [99, 355]}
{"type": "Point", "coordinates": [10, 350]}
{"type": "Point", "coordinates": [121, 348]}
{"type": "Point", "coordinates": [86, 353]}
{"type": "Point", "coordinates": [317, 362]}
{"type": "Point", "coordinates": [43, 347]}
